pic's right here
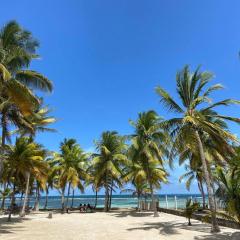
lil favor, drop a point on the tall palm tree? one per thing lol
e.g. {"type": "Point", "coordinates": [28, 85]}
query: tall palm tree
{"type": "Point", "coordinates": [52, 176]}
{"type": "Point", "coordinates": [136, 174]}
{"type": "Point", "coordinates": [26, 160]}
{"type": "Point", "coordinates": [72, 165]}
{"type": "Point", "coordinates": [93, 179]}
{"type": "Point", "coordinates": [108, 162]}
{"type": "Point", "coordinates": [17, 50]}
{"type": "Point", "coordinates": [149, 146]}
{"type": "Point", "coordinates": [197, 119]}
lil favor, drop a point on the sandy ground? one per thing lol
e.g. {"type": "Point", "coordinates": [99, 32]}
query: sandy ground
{"type": "Point", "coordinates": [117, 225]}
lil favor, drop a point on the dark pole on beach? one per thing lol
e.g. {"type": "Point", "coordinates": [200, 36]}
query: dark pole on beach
{"type": "Point", "coordinates": [96, 197]}
{"type": "Point", "coordinates": [72, 198]}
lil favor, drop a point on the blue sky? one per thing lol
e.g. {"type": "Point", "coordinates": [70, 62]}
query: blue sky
{"type": "Point", "coordinates": [106, 57]}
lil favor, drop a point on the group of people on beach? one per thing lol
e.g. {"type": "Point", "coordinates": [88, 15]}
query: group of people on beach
{"type": "Point", "coordinates": [86, 208]}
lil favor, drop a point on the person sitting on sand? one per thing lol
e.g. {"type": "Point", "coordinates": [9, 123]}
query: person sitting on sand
{"type": "Point", "coordinates": [89, 206]}
{"type": "Point", "coordinates": [81, 208]}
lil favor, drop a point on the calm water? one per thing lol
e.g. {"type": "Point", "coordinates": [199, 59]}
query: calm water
{"type": "Point", "coordinates": [117, 200]}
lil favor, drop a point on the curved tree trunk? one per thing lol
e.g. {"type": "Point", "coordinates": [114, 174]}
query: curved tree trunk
{"type": "Point", "coordinates": [22, 213]}
{"type": "Point", "coordinates": [46, 198]}
{"type": "Point", "coordinates": [72, 198]}
{"type": "Point", "coordinates": [215, 227]}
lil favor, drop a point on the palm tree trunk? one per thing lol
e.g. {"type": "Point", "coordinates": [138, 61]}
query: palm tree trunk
{"type": "Point", "coordinates": [46, 198]}
{"type": "Point", "coordinates": [153, 200]}
{"type": "Point", "coordinates": [63, 200]}
{"type": "Point", "coordinates": [21, 198]}
{"type": "Point", "coordinates": [4, 133]}
{"type": "Point", "coordinates": [5, 185]}
{"type": "Point", "coordinates": [215, 227]}
{"type": "Point", "coordinates": [36, 204]}
{"type": "Point", "coordinates": [72, 198]}
{"type": "Point", "coordinates": [96, 197]}
{"type": "Point", "coordinates": [110, 199]}
{"type": "Point", "coordinates": [22, 214]}
{"type": "Point", "coordinates": [106, 198]}
{"type": "Point", "coordinates": [138, 203]}
{"type": "Point", "coordinates": [189, 222]}
{"type": "Point", "coordinates": [69, 187]}
{"type": "Point", "coordinates": [201, 189]}
{"type": "Point", "coordinates": [12, 203]}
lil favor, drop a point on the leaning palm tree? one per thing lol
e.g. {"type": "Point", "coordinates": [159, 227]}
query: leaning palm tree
{"type": "Point", "coordinates": [26, 158]}
{"type": "Point", "coordinates": [148, 149]}
{"type": "Point", "coordinates": [17, 50]}
{"type": "Point", "coordinates": [197, 120]}
{"type": "Point", "coordinates": [108, 162]}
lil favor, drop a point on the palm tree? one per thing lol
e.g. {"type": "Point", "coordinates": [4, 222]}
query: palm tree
{"type": "Point", "coordinates": [5, 181]}
{"type": "Point", "coordinates": [149, 146]}
{"type": "Point", "coordinates": [39, 121]}
{"type": "Point", "coordinates": [229, 192]}
{"type": "Point", "coordinates": [191, 207]}
{"type": "Point", "coordinates": [52, 174]}
{"type": "Point", "coordinates": [72, 165]}
{"type": "Point", "coordinates": [26, 158]}
{"type": "Point", "coordinates": [197, 120]}
{"type": "Point", "coordinates": [93, 179]}
{"type": "Point", "coordinates": [17, 50]}
{"type": "Point", "coordinates": [6, 192]}
{"type": "Point", "coordinates": [108, 162]}
{"type": "Point", "coordinates": [194, 172]}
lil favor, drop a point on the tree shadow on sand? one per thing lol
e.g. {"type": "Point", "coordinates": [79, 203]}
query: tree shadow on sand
{"type": "Point", "coordinates": [165, 228]}
{"type": "Point", "coordinates": [173, 227]}
{"type": "Point", "coordinates": [220, 236]}
{"type": "Point", "coordinates": [10, 227]}
{"type": "Point", "coordinates": [131, 213]}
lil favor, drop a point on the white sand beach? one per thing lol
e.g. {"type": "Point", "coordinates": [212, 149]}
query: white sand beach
{"type": "Point", "coordinates": [117, 225]}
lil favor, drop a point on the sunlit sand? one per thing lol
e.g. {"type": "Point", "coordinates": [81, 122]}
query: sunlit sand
{"type": "Point", "coordinates": [115, 225]}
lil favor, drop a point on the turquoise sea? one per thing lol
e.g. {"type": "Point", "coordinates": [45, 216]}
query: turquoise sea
{"type": "Point", "coordinates": [124, 201]}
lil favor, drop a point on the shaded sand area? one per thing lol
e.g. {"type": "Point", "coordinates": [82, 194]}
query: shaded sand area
{"type": "Point", "coordinates": [116, 225]}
